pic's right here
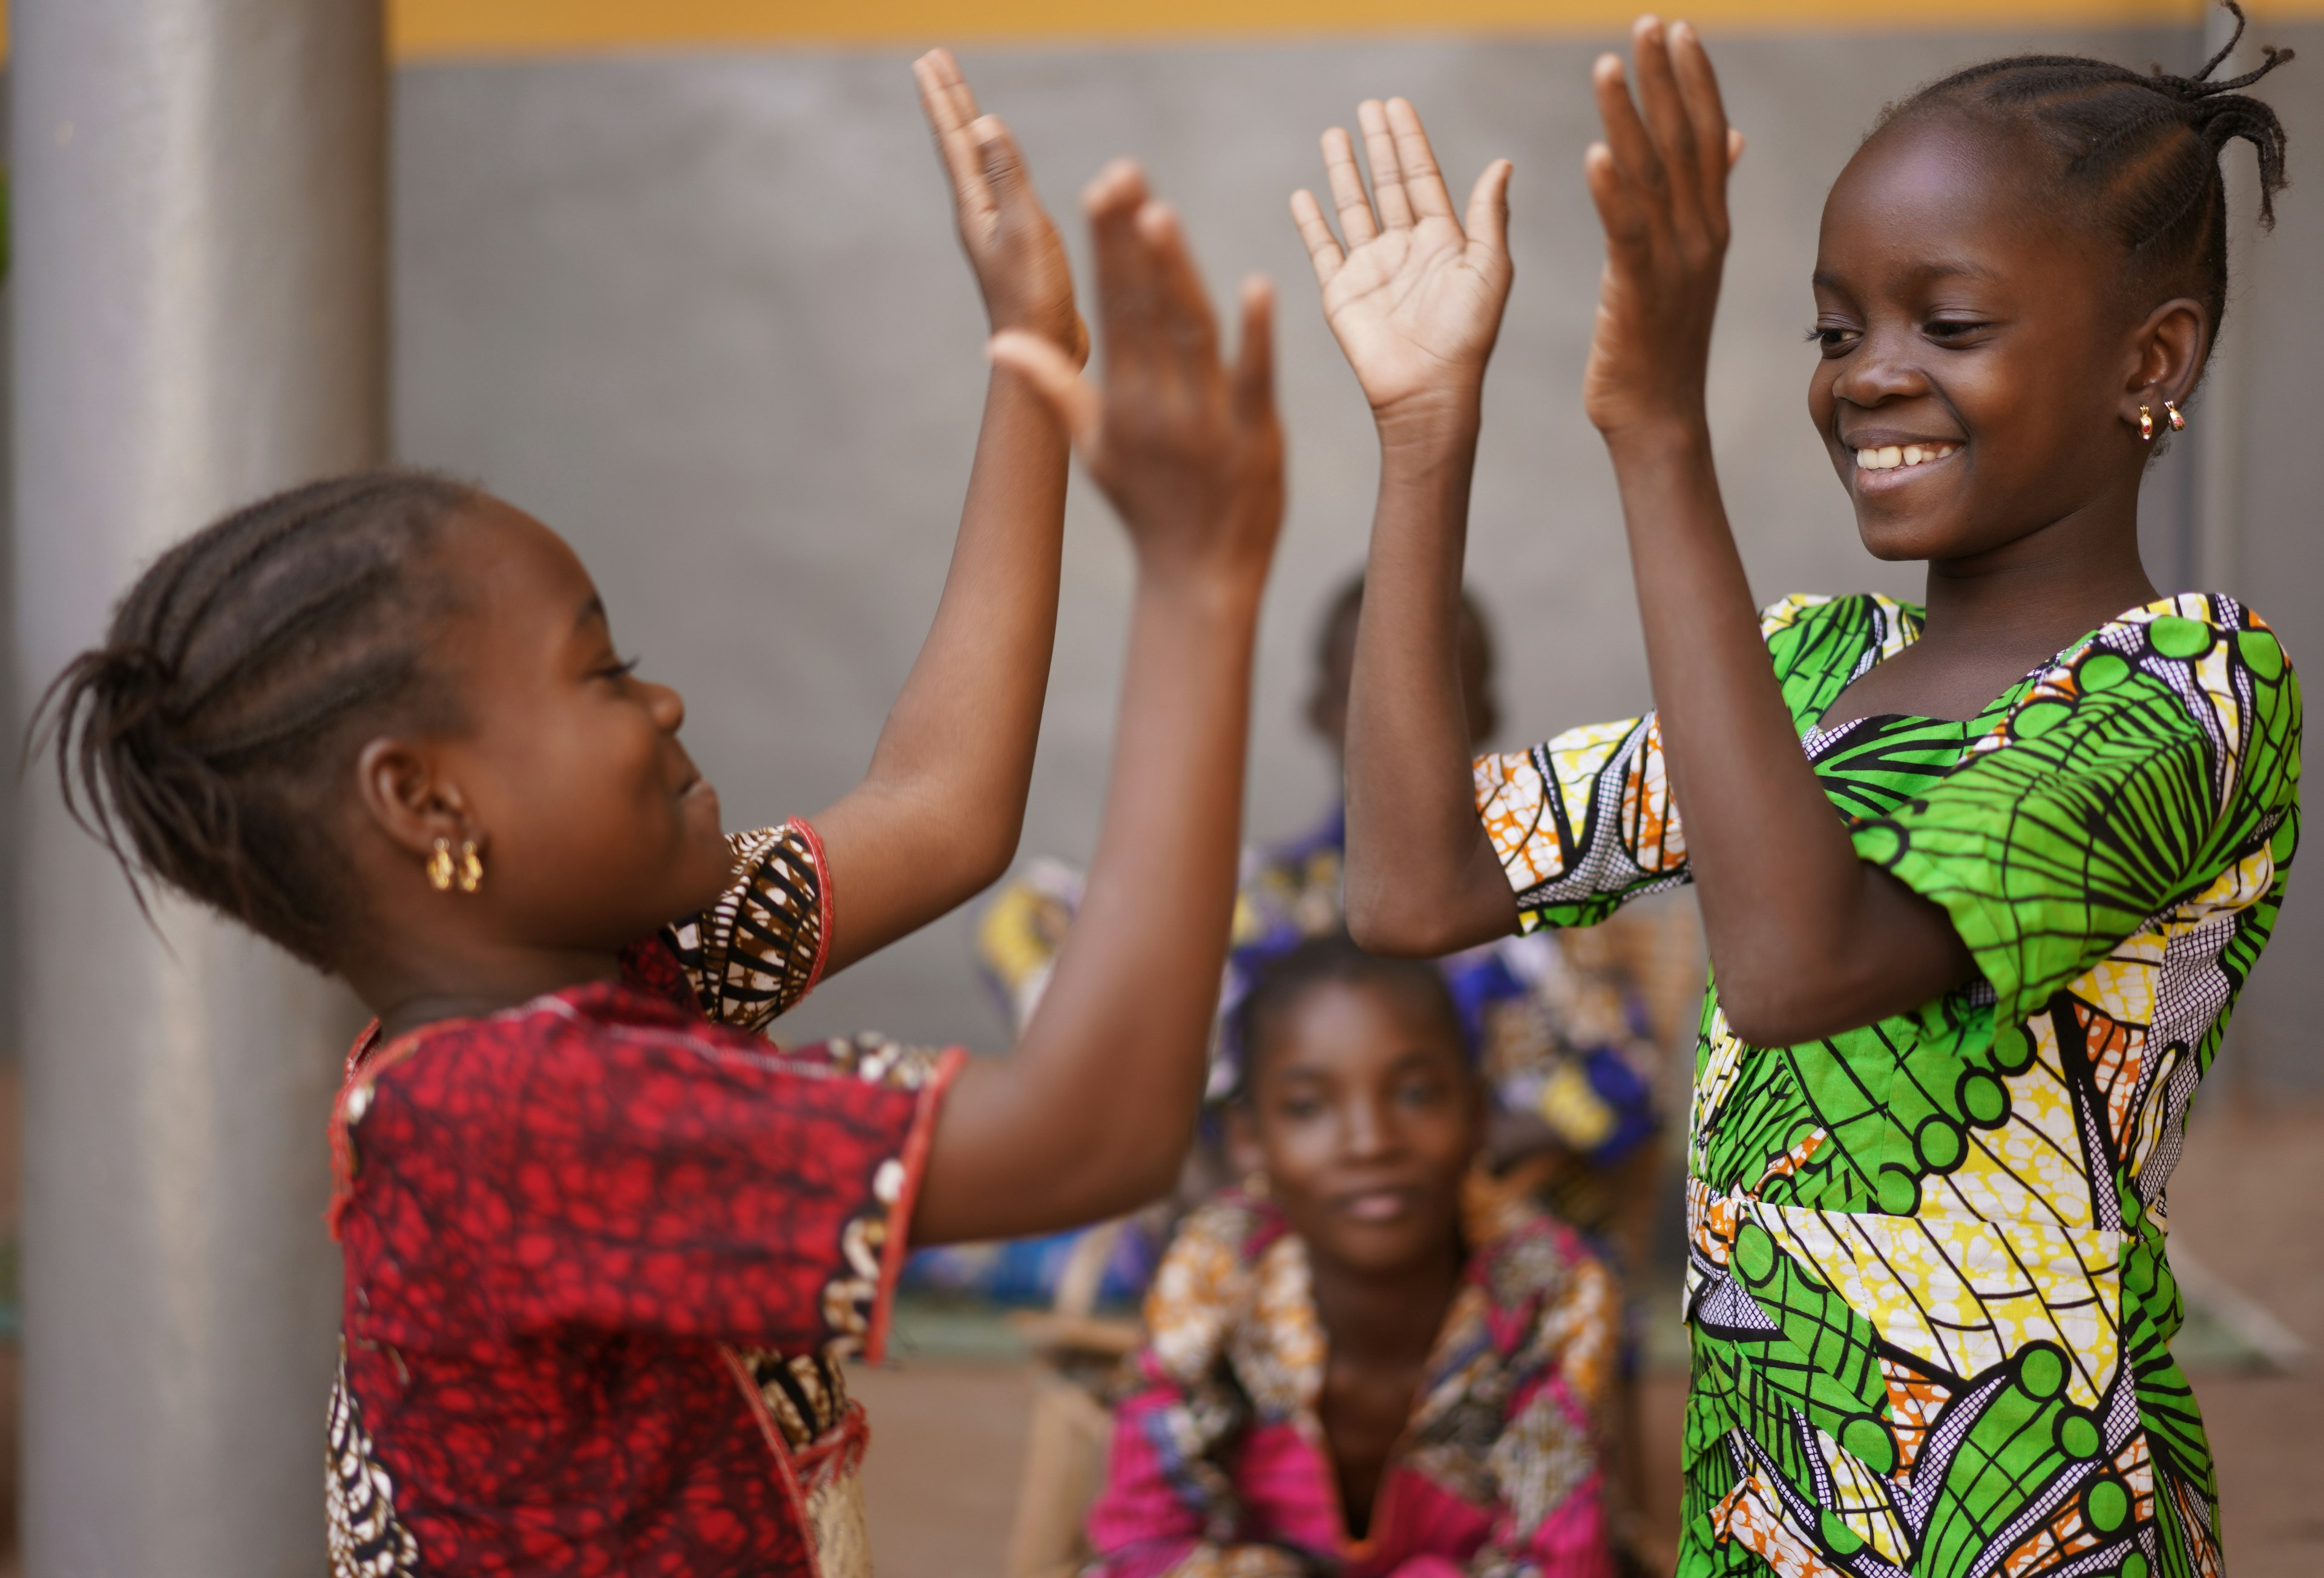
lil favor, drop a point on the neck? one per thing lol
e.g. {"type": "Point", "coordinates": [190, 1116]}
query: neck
{"type": "Point", "coordinates": [1386, 1316]}
{"type": "Point", "coordinates": [470, 982]}
{"type": "Point", "coordinates": [2041, 591]}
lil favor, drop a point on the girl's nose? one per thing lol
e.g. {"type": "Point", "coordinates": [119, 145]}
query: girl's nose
{"type": "Point", "coordinates": [1367, 1133]}
{"type": "Point", "coordinates": [1882, 369]}
{"type": "Point", "coordinates": [666, 706]}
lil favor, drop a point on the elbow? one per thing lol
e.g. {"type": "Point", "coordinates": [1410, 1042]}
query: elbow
{"type": "Point", "coordinates": [1402, 926]}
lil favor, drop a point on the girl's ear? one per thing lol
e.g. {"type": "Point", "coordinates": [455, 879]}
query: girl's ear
{"type": "Point", "coordinates": [2170, 347]}
{"type": "Point", "coordinates": [400, 792]}
{"type": "Point", "coordinates": [1245, 1155]}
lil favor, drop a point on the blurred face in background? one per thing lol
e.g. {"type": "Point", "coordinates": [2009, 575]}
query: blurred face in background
{"type": "Point", "coordinates": [1363, 1114]}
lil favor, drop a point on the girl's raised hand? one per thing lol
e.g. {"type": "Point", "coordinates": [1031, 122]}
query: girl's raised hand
{"type": "Point", "coordinates": [1188, 449]}
{"type": "Point", "coordinates": [1019, 262]}
{"type": "Point", "coordinates": [1415, 297]}
{"type": "Point", "coordinates": [1659, 179]}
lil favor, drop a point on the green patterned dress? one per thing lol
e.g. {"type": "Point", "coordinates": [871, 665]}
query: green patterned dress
{"type": "Point", "coordinates": [1930, 1310]}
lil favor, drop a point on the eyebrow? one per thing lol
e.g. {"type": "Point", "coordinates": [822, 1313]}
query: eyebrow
{"type": "Point", "coordinates": [1941, 269]}
{"type": "Point", "coordinates": [595, 606]}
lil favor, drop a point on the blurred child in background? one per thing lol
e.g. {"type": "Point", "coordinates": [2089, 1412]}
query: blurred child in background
{"type": "Point", "coordinates": [1341, 1374]}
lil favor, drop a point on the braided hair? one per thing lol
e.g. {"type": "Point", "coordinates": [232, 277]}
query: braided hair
{"type": "Point", "coordinates": [2141, 150]}
{"type": "Point", "coordinates": [1330, 959]}
{"type": "Point", "coordinates": [205, 742]}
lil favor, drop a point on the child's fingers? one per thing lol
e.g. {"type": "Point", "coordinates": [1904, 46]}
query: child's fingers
{"type": "Point", "coordinates": [954, 145]}
{"type": "Point", "coordinates": [1424, 180]}
{"type": "Point", "coordinates": [1616, 198]}
{"type": "Point", "coordinates": [1489, 216]}
{"type": "Point", "coordinates": [1387, 171]}
{"type": "Point", "coordinates": [1357, 222]}
{"type": "Point", "coordinates": [1125, 283]}
{"type": "Point", "coordinates": [1706, 114]}
{"type": "Point", "coordinates": [1632, 150]}
{"type": "Point", "coordinates": [1315, 232]}
{"type": "Point", "coordinates": [1055, 379]}
{"type": "Point", "coordinates": [1184, 306]}
{"type": "Point", "coordinates": [1665, 112]}
{"type": "Point", "coordinates": [1000, 162]}
{"type": "Point", "coordinates": [1254, 368]}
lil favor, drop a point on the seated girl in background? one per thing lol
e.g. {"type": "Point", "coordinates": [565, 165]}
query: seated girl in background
{"type": "Point", "coordinates": [1340, 1376]}
{"type": "Point", "coordinates": [1981, 880]}
{"type": "Point", "coordinates": [604, 1244]}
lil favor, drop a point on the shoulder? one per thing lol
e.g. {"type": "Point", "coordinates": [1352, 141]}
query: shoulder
{"type": "Point", "coordinates": [1813, 628]}
{"type": "Point", "coordinates": [1532, 1257]}
{"type": "Point", "coordinates": [760, 948]}
{"type": "Point", "coordinates": [2197, 668]}
{"type": "Point", "coordinates": [1205, 1280]}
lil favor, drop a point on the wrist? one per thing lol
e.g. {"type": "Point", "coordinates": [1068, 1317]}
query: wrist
{"type": "Point", "coordinates": [1435, 426]}
{"type": "Point", "coordinates": [1659, 439]}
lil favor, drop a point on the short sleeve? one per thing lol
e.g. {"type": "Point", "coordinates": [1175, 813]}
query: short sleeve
{"type": "Point", "coordinates": [2151, 773]}
{"type": "Point", "coordinates": [752, 955]}
{"type": "Point", "coordinates": [557, 1168]}
{"type": "Point", "coordinates": [1587, 822]}
{"type": "Point", "coordinates": [1583, 824]}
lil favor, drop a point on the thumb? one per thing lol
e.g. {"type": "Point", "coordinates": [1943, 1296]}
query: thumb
{"type": "Point", "coordinates": [1254, 369]}
{"type": "Point", "coordinates": [1489, 210]}
{"type": "Point", "coordinates": [1071, 400]}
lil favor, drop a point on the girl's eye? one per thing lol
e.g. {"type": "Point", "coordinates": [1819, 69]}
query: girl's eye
{"type": "Point", "coordinates": [1942, 329]}
{"type": "Point", "coordinates": [1834, 339]}
{"type": "Point", "coordinates": [619, 670]}
{"type": "Point", "coordinates": [1299, 1109]}
{"type": "Point", "coordinates": [1422, 1093]}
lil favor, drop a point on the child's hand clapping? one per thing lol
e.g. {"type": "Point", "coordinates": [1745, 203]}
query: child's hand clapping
{"type": "Point", "coordinates": [1020, 263]}
{"type": "Point", "coordinates": [1188, 450]}
{"type": "Point", "coordinates": [1415, 299]}
{"type": "Point", "coordinates": [1660, 184]}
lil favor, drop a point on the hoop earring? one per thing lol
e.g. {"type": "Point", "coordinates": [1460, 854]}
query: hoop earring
{"type": "Point", "coordinates": [472, 866]}
{"type": "Point", "coordinates": [2178, 418]}
{"type": "Point", "coordinates": [2145, 426]}
{"type": "Point", "coordinates": [439, 866]}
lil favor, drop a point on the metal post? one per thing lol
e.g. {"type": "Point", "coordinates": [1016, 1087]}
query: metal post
{"type": "Point", "coordinates": [200, 318]}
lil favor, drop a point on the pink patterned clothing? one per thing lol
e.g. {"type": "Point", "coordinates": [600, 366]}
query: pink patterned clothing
{"type": "Point", "coordinates": [1219, 1467]}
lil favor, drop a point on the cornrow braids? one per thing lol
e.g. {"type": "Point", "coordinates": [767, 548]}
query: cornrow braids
{"type": "Point", "coordinates": [204, 743]}
{"type": "Point", "coordinates": [2142, 149]}
{"type": "Point", "coordinates": [1331, 957]}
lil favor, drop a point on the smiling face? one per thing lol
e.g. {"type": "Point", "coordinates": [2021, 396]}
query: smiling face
{"type": "Point", "coordinates": [595, 825]}
{"type": "Point", "coordinates": [1977, 344]}
{"type": "Point", "coordinates": [1364, 1115]}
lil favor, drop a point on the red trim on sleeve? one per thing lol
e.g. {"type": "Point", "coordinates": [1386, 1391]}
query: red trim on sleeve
{"type": "Point", "coordinates": [914, 1158]}
{"type": "Point", "coordinates": [823, 901]}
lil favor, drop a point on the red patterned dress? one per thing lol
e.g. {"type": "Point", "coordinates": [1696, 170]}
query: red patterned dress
{"type": "Point", "coordinates": [604, 1251]}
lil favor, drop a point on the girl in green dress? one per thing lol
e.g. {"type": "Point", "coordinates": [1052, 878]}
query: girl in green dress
{"type": "Point", "coordinates": [1946, 1061]}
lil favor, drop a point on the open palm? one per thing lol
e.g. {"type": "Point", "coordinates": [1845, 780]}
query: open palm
{"type": "Point", "coordinates": [1414, 297]}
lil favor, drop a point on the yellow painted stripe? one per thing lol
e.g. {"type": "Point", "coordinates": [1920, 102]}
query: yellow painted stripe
{"type": "Point", "coordinates": [423, 28]}
{"type": "Point", "coordinates": [442, 29]}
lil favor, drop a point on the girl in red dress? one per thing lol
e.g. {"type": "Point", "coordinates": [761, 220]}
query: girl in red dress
{"type": "Point", "coordinates": [604, 1242]}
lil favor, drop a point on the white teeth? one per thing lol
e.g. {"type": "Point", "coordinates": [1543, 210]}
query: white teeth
{"type": "Point", "coordinates": [1891, 457]}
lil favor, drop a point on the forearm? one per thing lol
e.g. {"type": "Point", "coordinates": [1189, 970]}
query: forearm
{"type": "Point", "coordinates": [1092, 1114]}
{"type": "Point", "coordinates": [1422, 877]}
{"type": "Point", "coordinates": [1805, 938]}
{"type": "Point", "coordinates": [938, 815]}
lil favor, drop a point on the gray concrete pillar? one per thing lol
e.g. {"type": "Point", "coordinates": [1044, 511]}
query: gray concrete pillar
{"type": "Point", "coordinates": [199, 301]}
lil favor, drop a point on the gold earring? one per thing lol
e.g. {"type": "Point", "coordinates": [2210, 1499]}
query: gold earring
{"type": "Point", "coordinates": [2145, 426]}
{"type": "Point", "coordinates": [439, 866]}
{"type": "Point", "coordinates": [2178, 419]}
{"type": "Point", "coordinates": [472, 866]}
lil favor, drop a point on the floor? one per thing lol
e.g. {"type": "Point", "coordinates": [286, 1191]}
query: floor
{"type": "Point", "coordinates": [948, 1434]}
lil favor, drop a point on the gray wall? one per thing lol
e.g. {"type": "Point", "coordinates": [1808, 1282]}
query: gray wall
{"type": "Point", "coordinates": [704, 315]}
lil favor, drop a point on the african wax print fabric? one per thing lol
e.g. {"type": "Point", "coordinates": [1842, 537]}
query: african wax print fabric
{"type": "Point", "coordinates": [1220, 1466]}
{"type": "Point", "coordinates": [604, 1253]}
{"type": "Point", "coordinates": [1931, 1312]}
